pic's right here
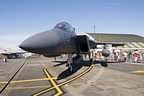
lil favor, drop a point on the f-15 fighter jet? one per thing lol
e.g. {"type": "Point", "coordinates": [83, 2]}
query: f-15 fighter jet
{"type": "Point", "coordinates": [62, 39]}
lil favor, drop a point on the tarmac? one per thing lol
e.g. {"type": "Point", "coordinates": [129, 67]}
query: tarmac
{"type": "Point", "coordinates": [41, 76]}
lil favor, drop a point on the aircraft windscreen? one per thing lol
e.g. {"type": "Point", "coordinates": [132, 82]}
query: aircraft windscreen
{"type": "Point", "coordinates": [65, 26]}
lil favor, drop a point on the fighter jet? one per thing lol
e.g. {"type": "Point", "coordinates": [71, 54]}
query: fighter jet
{"type": "Point", "coordinates": [11, 53]}
{"type": "Point", "coordinates": [62, 39]}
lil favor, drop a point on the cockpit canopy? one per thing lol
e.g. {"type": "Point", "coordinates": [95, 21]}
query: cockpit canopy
{"type": "Point", "coordinates": [65, 26]}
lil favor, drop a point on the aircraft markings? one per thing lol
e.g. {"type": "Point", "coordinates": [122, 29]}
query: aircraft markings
{"type": "Point", "coordinates": [31, 80]}
{"type": "Point", "coordinates": [138, 71]}
{"type": "Point", "coordinates": [67, 81]}
{"type": "Point", "coordinates": [49, 78]}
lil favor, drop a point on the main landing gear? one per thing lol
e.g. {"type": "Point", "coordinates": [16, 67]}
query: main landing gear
{"type": "Point", "coordinates": [90, 58]}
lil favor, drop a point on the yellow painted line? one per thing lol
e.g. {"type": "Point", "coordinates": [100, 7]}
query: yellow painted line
{"type": "Point", "coordinates": [78, 83]}
{"type": "Point", "coordinates": [54, 84]}
{"type": "Point", "coordinates": [44, 91]}
{"type": "Point", "coordinates": [51, 88]}
{"type": "Point", "coordinates": [77, 76]}
{"type": "Point", "coordinates": [138, 71]}
{"type": "Point", "coordinates": [31, 80]}
{"type": "Point", "coordinates": [68, 81]}
{"type": "Point", "coordinates": [28, 87]}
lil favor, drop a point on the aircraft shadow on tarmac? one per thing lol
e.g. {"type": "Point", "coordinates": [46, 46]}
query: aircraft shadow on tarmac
{"type": "Point", "coordinates": [66, 73]}
{"type": "Point", "coordinates": [59, 63]}
{"type": "Point", "coordinates": [105, 63]}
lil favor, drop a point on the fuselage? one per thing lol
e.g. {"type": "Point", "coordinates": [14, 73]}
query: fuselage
{"type": "Point", "coordinates": [52, 43]}
{"type": "Point", "coordinates": [62, 39]}
{"type": "Point", "coordinates": [67, 42]}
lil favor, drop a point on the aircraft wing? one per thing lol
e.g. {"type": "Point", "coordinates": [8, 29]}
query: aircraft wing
{"type": "Point", "coordinates": [93, 43]}
{"type": "Point", "coordinates": [114, 44]}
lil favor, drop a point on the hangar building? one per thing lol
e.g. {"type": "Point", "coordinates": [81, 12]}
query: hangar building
{"type": "Point", "coordinates": [131, 41]}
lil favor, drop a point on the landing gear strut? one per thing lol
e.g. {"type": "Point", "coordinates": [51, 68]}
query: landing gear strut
{"type": "Point", "coordinates": [69, 62]}
{"type": "Point", "coordinates": [90, 58]}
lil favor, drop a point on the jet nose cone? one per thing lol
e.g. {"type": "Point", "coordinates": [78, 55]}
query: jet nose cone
{"type": "Point", "coordinates": [41, 43]}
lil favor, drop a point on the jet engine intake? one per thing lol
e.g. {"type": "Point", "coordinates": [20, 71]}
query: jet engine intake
{"type": "Point", "coordinates": [105, 52]}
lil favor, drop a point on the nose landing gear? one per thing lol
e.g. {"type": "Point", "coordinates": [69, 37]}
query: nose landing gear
{"type": "Point", "coordinates": [69, 62]}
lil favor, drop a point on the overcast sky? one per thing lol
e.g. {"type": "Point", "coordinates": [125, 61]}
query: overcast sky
{"type": "Point", "coordinates": [20, 19]}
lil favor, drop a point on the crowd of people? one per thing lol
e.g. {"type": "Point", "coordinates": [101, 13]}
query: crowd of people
{"type": "Point", "coordinates": [135, 56]}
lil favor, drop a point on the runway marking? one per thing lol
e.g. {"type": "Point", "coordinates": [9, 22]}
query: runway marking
{"type": "Point", "coordinates": [28, 87]}
{"type": "Point", "coordinates": [138, 71]}
{"type": "Point", "coordinates": [49, 88]}
{"type": "Point", "coordinates": [31, 80]}
{"type": "Point", "coordinates": [76, 77]}
{"type": "Point", "coordinates": [53, 83]}
{"type": "Point", "coordinates": [15, 73]}
{"type": "Point", "coordinates": [78, 83]}
{"type": "Point", "coordinates": [67, 81]}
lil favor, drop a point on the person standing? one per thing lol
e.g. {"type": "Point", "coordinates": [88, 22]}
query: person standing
{"type": "Point", "coordinates": [135, 57]}
{"type": "Point", "coordinates": [125, 56]}
{"type": "Point", "coordinates": [129, 56]}
{"type": "Point", "coordinates": [4, 59]}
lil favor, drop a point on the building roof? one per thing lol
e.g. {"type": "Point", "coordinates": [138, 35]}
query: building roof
{"type": "Point", "coordinates": [117, 37]}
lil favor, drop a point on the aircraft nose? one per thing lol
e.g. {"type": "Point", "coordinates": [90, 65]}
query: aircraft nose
{"type": "Point", "coordinates": [41, 43]}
